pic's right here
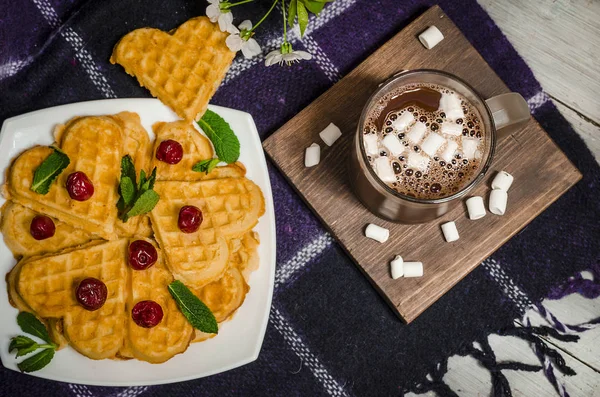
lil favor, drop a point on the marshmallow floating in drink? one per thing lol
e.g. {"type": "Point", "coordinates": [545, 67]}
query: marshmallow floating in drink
{"type": "Point", "coordinates": [312, 156]}
{"type": "Point", "coordinates": [498, 199]}
{"type": "Point", "coordinates": [377, 233]}
{"type": "Point", "coordinates": [450, 231]}
{"type": "Point", "coordinates": [330, 134]}
{"type": "Point", "coordinates": [397, 267]}
{"type": "Point", "coordinates": [412, 269]}
{"type": "Point", "coordinates": [475, 207]}
{"type": "Point", "coordinates": [384, 169]}
{"type": "Point", "coordinates": [450, 128]}
{"type": "Point", "coordinates": [416, 132]}
{"type": "Point", "coordinates": [432, 144]}
{"type": "Point", "coordinates": [449, 151]}
{"type": "Point", "coordinates": [469, 147]}
{"type": "Point", "coordinates": [418, 161]}
{"type": "Point", "coordinates": [393, 144]}
{"type": "Point", "coordinates": [431, 37]}
{"type": "Point", "coordinates": [402, 122]}
{"type": "Point", "coordinates": [371, 144]}
{"type": "Point", "coordinates": [502, 181]}
{"type": "Point", "coordinates": [451, 106]}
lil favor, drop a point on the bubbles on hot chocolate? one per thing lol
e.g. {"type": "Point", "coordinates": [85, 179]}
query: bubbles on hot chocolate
{"type": "Point", "coordinates": [431, 140]}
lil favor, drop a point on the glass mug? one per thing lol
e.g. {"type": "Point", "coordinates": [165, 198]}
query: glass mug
{"type": "Point", "coordinates": [501, 116]}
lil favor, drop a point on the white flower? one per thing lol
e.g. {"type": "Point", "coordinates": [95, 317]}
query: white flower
{"type": "Point", "coordinates": [223, 15]}
{"type": "Point", "coordinates": [243, 40]}
{"type": "Point", "coordinates": [286, 55]}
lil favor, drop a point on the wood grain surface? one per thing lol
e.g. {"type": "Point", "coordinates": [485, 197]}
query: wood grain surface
{"type": "Point", "coordinates": [542, 172]}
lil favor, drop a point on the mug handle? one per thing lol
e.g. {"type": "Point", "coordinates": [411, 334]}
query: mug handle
{"type": "Point", "coordinates": [510, 112]}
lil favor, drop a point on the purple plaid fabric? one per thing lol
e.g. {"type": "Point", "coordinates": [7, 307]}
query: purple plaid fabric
{"type": "Point", "coordinates": [329, 332]}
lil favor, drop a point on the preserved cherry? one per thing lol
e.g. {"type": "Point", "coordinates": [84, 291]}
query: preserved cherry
{"type": "Point", "coordinates": [147, 314]}
{"type": "Point", "coordinates": [42, 227]}
{"type": "Point", "coordinates": [142, 255]}
{"type": "Point", "coordinates": [190, 218]}
{"type": "Point", "coordinates": [91, 293]}
{"type": "Point", "coordinates": [169, 151]}
{"type": "Point", "coordinates": [79, 186]}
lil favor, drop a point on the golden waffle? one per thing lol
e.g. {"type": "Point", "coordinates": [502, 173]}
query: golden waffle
{"type": "Point", "coordinates": [196, 147]}
{"type": "Point", "coordinates": [46, 285]}
{"type": "Point", "coordinates": [15, 223]}
{"type": "Point", "coordinates": [94, 145]}
{"type": "Point", "coordinates": [225, 295]}
{"type": "Point", "coordinates": [244, 253]}
{"type": "Point", "coordinates": [230, 208]}
{"type": "Point", "coordinates": [182, 68]}
{"type": "Point", "coordinates": [173, 334]}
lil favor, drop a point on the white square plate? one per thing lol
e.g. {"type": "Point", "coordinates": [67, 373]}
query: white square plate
{"type": "Point", "coordinates": [239, 340]}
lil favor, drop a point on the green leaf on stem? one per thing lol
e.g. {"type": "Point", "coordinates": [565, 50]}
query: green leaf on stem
{"type": "Point", "coordinates": [302, 17]}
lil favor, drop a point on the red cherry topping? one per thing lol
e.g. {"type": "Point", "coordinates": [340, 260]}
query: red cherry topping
{"type": "Point", "coordinates": [190, 218]}
{"type": "Point", "coordinates": [142, 255]}
{"type": "Point", "coordinates": [91, 293]}
{"type": "Point", "coordinates": [42, 227]}
{"type": "Point", "coordinates": [169, 151]}
{"type": "Point", "coordinates": [79, 186]}
{"type": "Point", "coordinates": [147, 314]}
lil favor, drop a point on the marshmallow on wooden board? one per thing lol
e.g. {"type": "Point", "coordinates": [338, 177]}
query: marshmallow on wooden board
{"type": "Point", "coordinates": [416, 132]}
{"type": "Point", "coordinates": [449, 151]}
{"type": "Point", "coordinates": [450, 231]}
{"type": "Point", "coordinates": [450, 104]}
{"type": "Point", "coordinates": [384, 169]}
{"type": "Point", "coordinates": [431, 37]}
{"type": "Point", "coordinates": [432, 144]}
{"type": "Point", "coordinates": [330, 134]}
{"type": "Point", "coordinates": [397, 267]}
{"type": "Point", "coordinates": [312, 156]}
{"type": "Point", "coordinates": [371, 144]}
{"type": "Point", "coordinates": [498, 200]}
{"type": "Point", "coordinates": [475, 207]}
{"type": "Point", "coordinates": [418, 161]}
{"type": "Point", "coordinates": [502, 181]}
{"type": "Point", "coordinates": [450, 128]}
{"type": "Point", "coordinates": [393, 144]}
{"type": "Point", "coordinates": [469, 147]}
{"type": "Point", "coordinates": [402, 122]}
{"type": "Point", "coordinates": [377, 233]}
{"type": "Point", "coordinates": [412, 269]}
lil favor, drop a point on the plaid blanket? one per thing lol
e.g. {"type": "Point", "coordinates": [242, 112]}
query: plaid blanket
{"type": "Point", "coordinates": [329, 331]}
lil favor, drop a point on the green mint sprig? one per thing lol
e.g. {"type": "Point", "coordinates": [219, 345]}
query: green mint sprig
{"type": "Point", "coordinates": [49, 170]}
{"type": "Point", "coordinates": [196, 312]}
{"type": "Point", "coordinates": [206, 166]}
{"type": "Point", "coordinates": [25, 345]}
{"type": "Point", "coordinates": [227, 145]}
{"type": "Point", "coordinates": [137, 198]}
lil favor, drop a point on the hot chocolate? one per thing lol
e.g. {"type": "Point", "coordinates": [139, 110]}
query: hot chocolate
{"type": "Point", "coordinates": [424, 140]}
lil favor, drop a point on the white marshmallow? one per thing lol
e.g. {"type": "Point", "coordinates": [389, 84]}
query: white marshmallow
{"type": "Point", "coordinates": [449, 151]}
{"type": "Point", "coordinates": [475, 207]}
{"type": "Point", "coordinates": [450, 104]}
{"type": "Point", "coordinates": [432, 144]}
{"type": "Point", "coordinates": [502, 181]}
{"type": "Point", "coordinates": [450, 231]}
{"type": "Point", "coordinates": [377, 233]}
{"type": "Point", "coordinates": [330, 134]}
{"type": "Point", "coordinates": [312, 156]}
{"type": "Point", "coordinates": [451, 128]}
{"type": "Point", "coordinates": [371, 144]}
{"type": "Point", "coordinates": [418, 161]}
{"type": "Point", "coordinates": [393, 144]}
{"type": "Point", "coordinates": [469, 147]}
{"type": "Point", "coordinates": [431, 37]}
{"type": "Point", "coordinates": [402, 122]}
{"type": "Point", "coordinates": [384, 169]}
{"type": "Point", "coordinates": [397, 267]}
{"type": "Point", "coordinates": [416, 132]}
{"type": "Point", "coordinates": [413, 269]}
{"type": "Point", "coordinates": [498, 199]}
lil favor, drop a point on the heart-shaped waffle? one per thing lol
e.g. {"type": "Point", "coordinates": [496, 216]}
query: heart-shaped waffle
{"type": "Point", "coordinates": [182, 68]}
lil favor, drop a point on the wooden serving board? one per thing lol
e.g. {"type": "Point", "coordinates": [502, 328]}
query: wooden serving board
{"type": "Point", "coordinates": [542, 172]}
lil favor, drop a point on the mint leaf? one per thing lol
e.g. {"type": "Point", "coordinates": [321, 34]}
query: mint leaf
{"type": "Point", "coordinates": [127, 190]}
{"type": "Point", "coordinates": [302, 17]}
{"type": "Point", "coordinates": [128, 168]}
{"type": "Point", "coordinates": [36, 362]}
{"type": "Point", "coordinates": [148, 183]}
{"type": "Point", "coordinates": [221, 135]}
{"type": "Point", "coordinates": [23, 345]}
{"type": "Point", "coordinates": [31, 325]}
{"type": "Point", "coordinates": [205, 165]}
{"type": "Point", "coordinates": [142, 179]}
{"type": "Point", "coordinates": [196, 312]}
{"type": "Point", "coordinates": [47, 172]}
{"type": "Point", "coordinates": [144, 203]}
{"type": "Point", "coordinates": [292, 9]}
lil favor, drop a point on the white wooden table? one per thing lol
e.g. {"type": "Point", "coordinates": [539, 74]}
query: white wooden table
{"type": "Point", "coordinates": [560, 41]}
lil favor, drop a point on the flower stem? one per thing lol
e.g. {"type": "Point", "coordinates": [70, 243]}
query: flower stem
{"type": "Point", "coordinates": [238, 3]}
{"type": "Point", "coordinates": [284, 21]}
{"type": "Point", "coordinates": [265, 16]}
